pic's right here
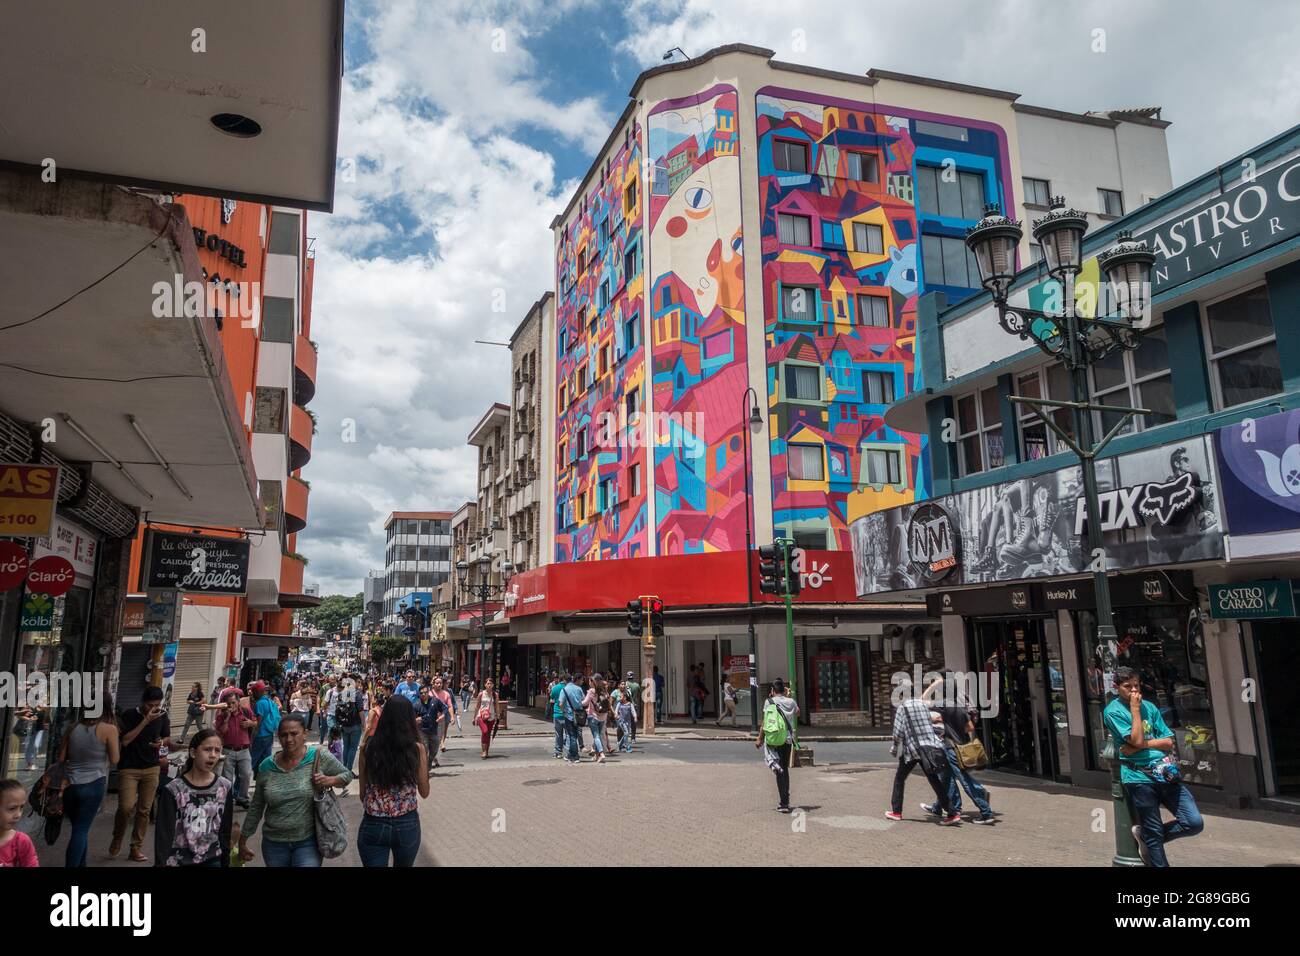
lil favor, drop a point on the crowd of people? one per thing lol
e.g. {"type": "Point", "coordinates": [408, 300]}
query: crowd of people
{"type": "Point", "coordinates": [599, 704]}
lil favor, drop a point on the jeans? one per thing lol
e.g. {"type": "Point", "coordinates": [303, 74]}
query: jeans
{"type": "Point", "coordinates": [196, 720]}
{"type": "Point", "coordinates": [326, 725]}
{"type": "Point", "coordinates": [260, 749]}
{"type": "Point", "coordinates": [351, 741]}
{"type": "Point", "coordinates": [571, 739]}
{"type": "Point", "coordinates": [32, 748]}
{"type": "Point", "coordinates": [1147, 799]}
{"type": "Point", "coordinates": [380, 836]}
{"type": "Point", "coordinates": [659, 707]}
{"type": "Point", "coordinates": [697, 709]}
{"type": "Point", "coordinates": [304, 853]}
{"type": "Point", "coordinates": [239, 766]}
{"type": "Point", "coordinates": [625, 735]}
{"type": "Point", "coordinates": [938, 781]}
{"type": "Point", "coordinates": [597, 728]}
{"type": "Point", "coordinates": [80, 804]}
{"type": "Point", "coordinates": [976, 790]}
{"type": "Point", "coordinates": [430, 740]}
{"type": "Point", "coordinates": [783, 774]}
{"type": "Point", "coordinates": [135, 792]}
{"type": "Point", "coordinates": [559, 736]}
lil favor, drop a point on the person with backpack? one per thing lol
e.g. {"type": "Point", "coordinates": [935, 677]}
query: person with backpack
{"type": "Point", "coordinates": [572, 716]}
{"type": "Point", "coordinates": [349, 715]}
{"type": "Point", "coordinates": [776, 738]}
{"type": "Point", "coordinates": [1148, 769]}
{"type": "Point", "coordinates": [597, 706]}
{"type": "Point", "coordinates": [917, 741]}
{"type": "Point", "coordinates": [267, 713]}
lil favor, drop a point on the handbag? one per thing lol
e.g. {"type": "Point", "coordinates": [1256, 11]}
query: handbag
{"type": "Point", "coordinates": [331, 826]}
{"type": "Point", "coordinates": [971, 756]}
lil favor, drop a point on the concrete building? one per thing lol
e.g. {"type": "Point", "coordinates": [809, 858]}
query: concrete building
{"type": "Point", "coordinates": [1198, 499]}
{"type": "Point", "coordinates": [529, 516]}
{"type": "Point", "coordinates": [754, 224]}
{"type": "Point", "coordinates": [417, 558]}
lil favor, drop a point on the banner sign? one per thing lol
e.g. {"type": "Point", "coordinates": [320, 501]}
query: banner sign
{"type": "Point", "coordinates": [1159, 507]}
{"type": "Point", "coordinates": [27, 497]}
{"type": "Point", "coordinates": [1259, 467]}
{"type": "Point", "coordinates": [190, 562]}
{"type": "Point", "coordinates": [162, 615]}
{"type": "Point", "coordinates": [1252, 600]}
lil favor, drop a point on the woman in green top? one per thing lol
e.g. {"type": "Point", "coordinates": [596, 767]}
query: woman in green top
{"type": "Point", "coordinates": [286, 788]}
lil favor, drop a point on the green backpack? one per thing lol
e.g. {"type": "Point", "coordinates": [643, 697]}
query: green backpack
{"type": "Point", "coordinates": [776, 730]}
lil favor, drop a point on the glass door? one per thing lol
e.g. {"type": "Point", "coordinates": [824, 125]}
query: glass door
{"type": "Point", "coordinates": [1278, 654]}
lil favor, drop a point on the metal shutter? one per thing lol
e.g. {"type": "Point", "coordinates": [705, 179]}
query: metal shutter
{"type": "Point", "coordinates": [132, 675]}
{"type": "Point", "coordinates": [193, 663]}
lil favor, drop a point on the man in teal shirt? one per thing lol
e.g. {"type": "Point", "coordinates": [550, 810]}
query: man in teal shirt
{"type": "Point", "coordinates": [268, 722]}
{"type": "Point", "coordinates": [557, 713]}
{"type": "Point", "coordinates": [1148, 769]}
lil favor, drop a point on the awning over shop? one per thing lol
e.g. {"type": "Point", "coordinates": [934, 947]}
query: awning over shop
{"type": "Point", "coordinates": [251, 639]}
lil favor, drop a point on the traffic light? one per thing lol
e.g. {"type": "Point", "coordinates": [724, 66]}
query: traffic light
{"type": "Point", "coordinates": [656, 617]}
{"type": "Point", "coordinates": [794, 585]}
{"type": "Point", "coordinates": [635, 618]}
{"type": "Point", "coordinates": [769, 569]}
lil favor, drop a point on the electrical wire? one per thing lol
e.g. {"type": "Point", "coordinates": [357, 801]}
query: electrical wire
{"type": "Point", "coordinates": [87, 288]}
{"type": "Point", "coordinates": [92, 378]}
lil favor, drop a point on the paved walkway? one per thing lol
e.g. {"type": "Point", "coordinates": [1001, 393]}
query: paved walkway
{"type": "Point", "coordinates": [522, 807]}
{"type": "Point", "coordinates": [533, 722]}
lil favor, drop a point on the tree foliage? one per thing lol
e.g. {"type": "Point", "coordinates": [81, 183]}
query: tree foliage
{"type": "Point", "coordinates": [334, 611]}
{"type": "Point", "coordinates": [388, 647]}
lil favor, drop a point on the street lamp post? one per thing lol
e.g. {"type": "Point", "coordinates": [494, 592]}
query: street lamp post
{"type": "Point", "coordinates": [411, 616]}
{"type": "Point", "coordinates": [753, 417]}
{"type": "Point", "coordinates": [482, 590]}
{"type": "Point", "coordinates": [1078, 342]}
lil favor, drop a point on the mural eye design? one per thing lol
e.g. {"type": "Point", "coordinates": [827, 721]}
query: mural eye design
{"type": "Point", "coordinates": [698, 198]}
{"type": "Point", "coordinates": [737, 244]}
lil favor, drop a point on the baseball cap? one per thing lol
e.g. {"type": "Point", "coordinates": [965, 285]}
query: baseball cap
{"type": "Point", "coordinates": [229, 692]}
{"type": "Point", "coordinates": [630, 674]}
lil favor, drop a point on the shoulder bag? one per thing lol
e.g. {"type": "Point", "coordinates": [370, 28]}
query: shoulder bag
{"type": "Point", "coordinates": [331, 826]}
{"type": "Point", "coordinates": [971, 756]}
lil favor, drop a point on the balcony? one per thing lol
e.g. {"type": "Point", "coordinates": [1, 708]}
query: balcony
{"type": "Point", "coordinates": [295, 504]}
{"type": "Point", "coordinates": [523, 445]}
{"type": "Point", "coordinates": [291, 572]}
{"type": "Point", "coordinates": [304, 370]}
{"type": "Point", "coordinates": [301, 428]}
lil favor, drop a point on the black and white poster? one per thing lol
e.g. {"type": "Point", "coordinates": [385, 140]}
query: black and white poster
{"type": "Point", "coordinates": [1158, 507]}
{"type": "Point", "coordinates": [191, 562]}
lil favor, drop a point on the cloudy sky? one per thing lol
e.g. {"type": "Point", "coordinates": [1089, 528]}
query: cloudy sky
{"type": "Point", "coordinates": [468, 125]}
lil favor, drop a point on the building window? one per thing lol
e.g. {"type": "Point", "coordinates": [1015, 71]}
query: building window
{"type": "Point", "coordinates": [277, 319]}
{"type": "Point", "coordinates": [1111, 202]}
{"type": "Point", "coordinates": [629, 198]}
{"type": "Point", "coordinates": [809, 540]}
{"type": "Point", "coordinates": [798, 303]}
{"type": "Point", "coordinates": [268, 410]}
{"type": "Point", "coordinates": [878, 388]}
{"type": "Point", "coordinates": [945, 260]}
{"type": "Point", "coordinates": [790, 157]}
{"type": "Point", "coordinates": [1037, 440]}
{"type": "Point", "coordinates": [883, 467]}
{"type": "Point", "coordinates": [632, 403]}
{"type": "Point", "coordinates": [630, 334]}
{"type": "Point", "coordinates": [1138, 379]}
{"type": "Point", "coordinates": [1037, 191]}
{"type": "Point", "coordinates": [581, 443]}
{"type": "Point", "coordinates": [582, 261]}
{"type": "Point", "coordinates": [1243, 348]}
{"type": "Point", "coordinates": [630, 263]}
{"type": "Point", "coordinates": [580, 385]}
{"type": "Point", "coordinates": [979, 432]}
{"type": "Point", "coordinates": [607, 496]}
{"type": "Point", "coordinates": [269, 493]}
{"type": "Point", "coordinates": [564, 454]}
{"type": "Point", "coordinates": [806, 462]}
{"type": "Point", "coordinates": [868, 237]}
{"type": "Point", "coordinates": [604, 230]}
{"type": "Point", "coordinates": [862, 167]}
{"type": "Point", "coordinates": [604, 295]}
{"type": "Point", "coordinates": [803, 383]}
{"type": "Point", "coordinates": [284, 234]}
{"type": "Point", "coordinates": [940, 193]}
{"type": "Point", "coordinates": [873, 310]}
{"type": "Point", "coordinates": [634, 480]}
{"type": "Point", "coordinates": [604, 360]}
{"type": "Point", "coordinates": [564, 395]}
{"type": "Point", "coordinates": [794, 230]}
{"type": "Point", "coordinates": [1035, 252]}
{"type": "Point", "coordinates": [941, 130]}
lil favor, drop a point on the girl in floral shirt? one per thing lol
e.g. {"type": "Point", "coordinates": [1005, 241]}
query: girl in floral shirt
{"type": "Point", "coordinates": [196, 810]}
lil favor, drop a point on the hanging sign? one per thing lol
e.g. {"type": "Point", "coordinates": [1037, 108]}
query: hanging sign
{"type": "Point", "coordinates": [51, 575]}
{"type": "Point", "coordinates": [13, 565]}
{"type": "Point", "coordinates": [161, 617]}
{"type": "Point", "coordinates": [191, 562]}
{"type": "Point", "coordinates": [27, 497]}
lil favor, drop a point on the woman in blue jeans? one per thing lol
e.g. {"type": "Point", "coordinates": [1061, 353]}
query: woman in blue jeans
{"type": "Point", "coordinates": [393, 778]}
{"type": "Point", "coordinates": [88, 750]}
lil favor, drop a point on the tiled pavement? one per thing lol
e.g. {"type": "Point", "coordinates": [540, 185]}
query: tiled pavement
{"type": "Point", "coordinates": [650, 808]}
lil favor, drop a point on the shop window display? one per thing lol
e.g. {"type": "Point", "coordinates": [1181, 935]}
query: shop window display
{"type": "Point", "coordinates": [1166, 645]}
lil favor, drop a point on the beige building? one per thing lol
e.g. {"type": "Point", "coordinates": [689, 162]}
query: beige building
{"type": "Point", "coordinates": [528, 514]}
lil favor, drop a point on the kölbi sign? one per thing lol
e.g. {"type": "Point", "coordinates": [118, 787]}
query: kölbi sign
{"type": "Point", "coordinates": [197, 563]}
{"type": "Point", "coordinates": [1258, 212]}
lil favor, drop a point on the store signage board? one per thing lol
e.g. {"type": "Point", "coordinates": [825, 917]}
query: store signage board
{"type": "Point", "coordinates": [162, 616]}
{"type": "Point", "coordinates": [13, 565]}
{"type": "Point", "coordinates": [1252, 600]}
{"type": "Point", "coordinates": [68, 540]}
{"type": "Point", "coordinates": [197, 563]}
{"type": "Point", "coordinates": [38, 613]}
{"type": "Point", "coordinates": [28, 494]}
{"type": "Point", "coordinates": [51, 575]}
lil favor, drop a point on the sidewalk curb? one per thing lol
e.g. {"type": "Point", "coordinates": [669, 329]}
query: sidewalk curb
{"type": "Point", "coordinates": [674, 736]}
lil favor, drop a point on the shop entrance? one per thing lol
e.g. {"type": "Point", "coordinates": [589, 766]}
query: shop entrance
{"type": "Point", "coordinates": [1021, 736]}
{"type": "Point", "coordinates": [703, 653]}
{"type": "Point", "coordinates": [1278, 654]}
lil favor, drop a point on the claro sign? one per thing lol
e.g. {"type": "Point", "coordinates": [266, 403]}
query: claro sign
{"type": "Point", "coordinates": [1256, 213]}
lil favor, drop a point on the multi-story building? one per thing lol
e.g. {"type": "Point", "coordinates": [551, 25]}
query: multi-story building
{"type": "Point", "coordinates": [491, 436]}
{"type": "Point", "coordinates": [372, 600]}
{"type": "Point", "coordinates": [753, 224]}
{"type": "Point", "coordinates": [417, 558]}
{"type": "Point", "coordinates": [528, 509]}
{"type": "Point", "coordinates": [1199, 497]}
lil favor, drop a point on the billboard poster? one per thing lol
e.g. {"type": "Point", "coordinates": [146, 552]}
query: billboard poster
{"type": "Point", "coordinates": [1158, 506]}
{"type": "Point", "coordinates": [197, 563]}
{"type": "Point", "coordinates": [1259, 465]}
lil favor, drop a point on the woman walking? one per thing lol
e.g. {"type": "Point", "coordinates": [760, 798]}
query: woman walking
{"type": "Point", "coordinates": [196, 810]}
{"type": "Point", "coordinates": [90, 747]}
{"type": "Point", "coordinates": [393, 776]}
{"type": "Point", "coordinates": [300, 702]}
{"type": "Point", "coordinates": [486, 704]}
{"type": "Point", "coordinates": [728, 702]}
{"type": "Point", "coordinates": [597, 704]}
{"type": "Point", "coordinates": [286, 788]}
{"type": "Point", "coordinates": [441, 692]}
{"type": "Point", "coordinates": [194, 710]}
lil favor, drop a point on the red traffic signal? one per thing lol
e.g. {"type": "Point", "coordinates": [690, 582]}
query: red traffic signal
{"type": "Point", "coordinates": [656, 617]}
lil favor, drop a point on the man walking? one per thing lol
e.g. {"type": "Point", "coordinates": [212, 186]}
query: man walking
{"type": "Point", "coordinates": [145, 730]}
{"type": "Point", "coordinates": [268, 722]}
{"type": "Point", "coordinates": [556, 696]}
{"type": "Point", "coordinates": [917, 741]}
{"type": "Point", "coordinates": [233, 723]}
{"type": "Point", "coordinates": [429, 714]}
{"type": "Point", "coordinates": [350, 714]}
{"type": "Point", "coordinates": [776, 738]}
{"type": "Point", "coordinates": [573, 696]}
{"type": "Point", "coordinates": [410, 688]}
{"type": "Point", "coordinates": [634, 694]}
{"type": "Point", "coordinates": [659, 695]}
{"type": "Point", "coordinates": [958, 726]}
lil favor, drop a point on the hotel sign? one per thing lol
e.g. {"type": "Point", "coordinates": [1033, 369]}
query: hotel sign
{"type": "Point", "coordinates": [1252, 215]}
{"type": "Point", "coordinates": [1252, 600]}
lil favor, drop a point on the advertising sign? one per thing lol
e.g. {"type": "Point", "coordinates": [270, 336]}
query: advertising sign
{"type": "Point", "coordinates": [27, 497]}
{"type": "Point", "coordinates": [1259, 467]}
{"type": "Point", "coordinates": [38, 613]}
{"type": "Point", "coordinates": [133, 609]}
{"type": "Point", "coordinates": [1252, 600]}
{"type": "Point", "coordinates": [162, 616]}
{"type": "Point", "coordinates": [71, 541]}
{"type": "Point", "coordinates": [51, 575]}
{"type": "Point", "coordinates": [13, 565]}
{"type": "Point", "coordinates": [1158, 507]}
{"type": "Point", "coordinates": [191, 562]}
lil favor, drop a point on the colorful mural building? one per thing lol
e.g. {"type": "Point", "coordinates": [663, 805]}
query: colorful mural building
{"type": "Point", "coordinates": [849, 195]}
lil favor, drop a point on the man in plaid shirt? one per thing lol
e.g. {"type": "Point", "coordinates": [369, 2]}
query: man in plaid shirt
{"type": "Point", "coordinates": [918, 733]}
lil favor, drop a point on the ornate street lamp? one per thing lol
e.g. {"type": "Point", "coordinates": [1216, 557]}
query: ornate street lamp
{"type": "Point", "coordinates": [1077, 342]}
{"type": "Point", "coordinates": [482, 590]}
{"type": "Point", "coordinates": [754, 421]}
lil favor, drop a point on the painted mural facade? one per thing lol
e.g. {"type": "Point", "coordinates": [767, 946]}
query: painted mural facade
{"type": "Point", "coordinates": [601, 453]}
{"type": "Point", "coordinates": [697, 320]}
{"type": "Point", "coordinates": [849, 233]}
